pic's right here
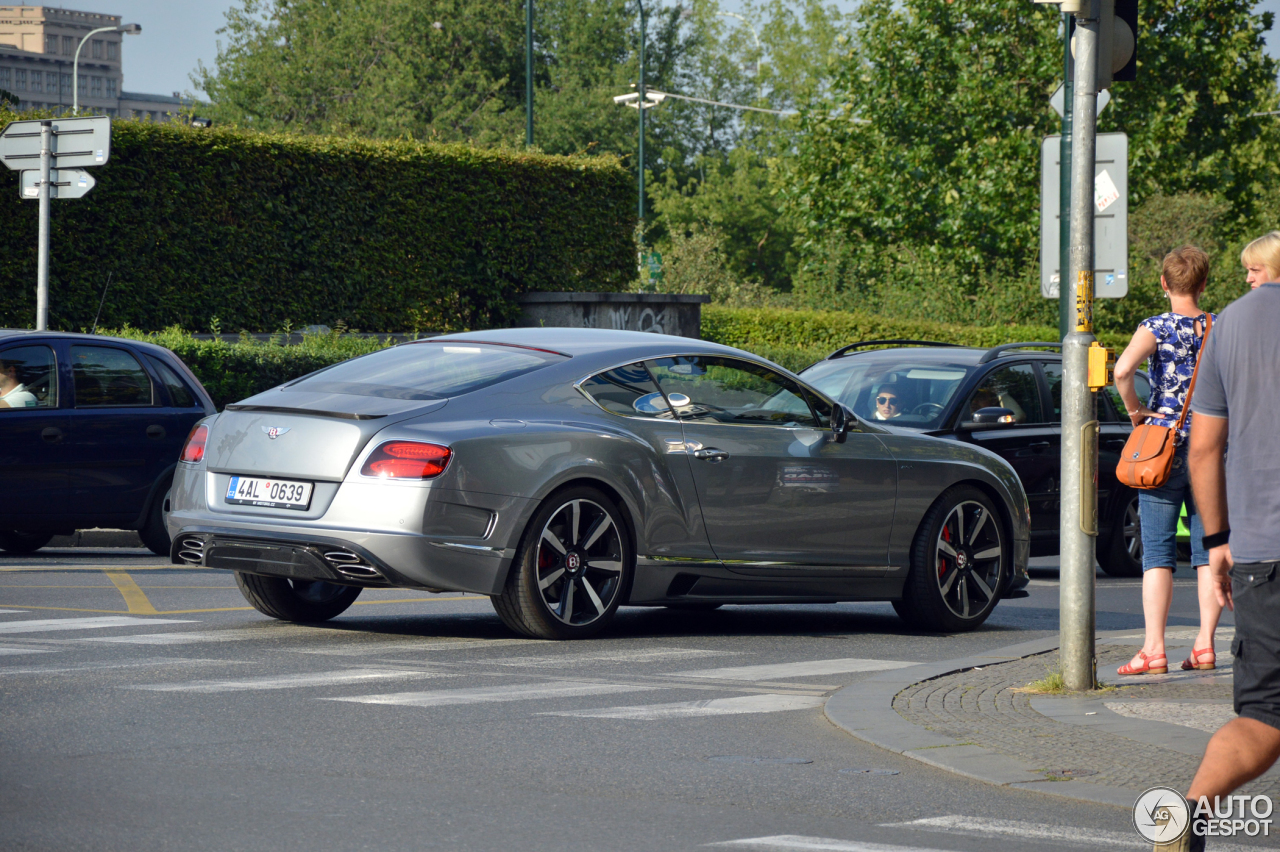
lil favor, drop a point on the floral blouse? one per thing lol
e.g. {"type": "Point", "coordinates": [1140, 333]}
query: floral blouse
{"type": "Point", "coordinates": [1171, 365]}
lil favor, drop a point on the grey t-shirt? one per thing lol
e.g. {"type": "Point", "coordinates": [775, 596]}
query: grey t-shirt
{"type": "Point", "coordinates": [1240, 379]}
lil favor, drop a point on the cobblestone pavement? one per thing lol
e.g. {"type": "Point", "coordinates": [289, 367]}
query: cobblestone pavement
{"type": "Point", "coordinates": [980, 706]}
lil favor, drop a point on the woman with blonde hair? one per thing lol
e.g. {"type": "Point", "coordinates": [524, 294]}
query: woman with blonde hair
{"type": "Point", "coordinates": [1261, 260]}
{"type": "Point", "coordinates": [1171, 341]}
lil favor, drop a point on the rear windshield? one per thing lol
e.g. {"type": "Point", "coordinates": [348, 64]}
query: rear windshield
{"type": "Point", "coordinates": [426, 370]}
{"type": "Point", "coordinates": [914, 394]}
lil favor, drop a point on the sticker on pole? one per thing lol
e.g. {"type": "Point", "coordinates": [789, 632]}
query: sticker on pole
{"type": "Point", "coordinates": [1105, 192]}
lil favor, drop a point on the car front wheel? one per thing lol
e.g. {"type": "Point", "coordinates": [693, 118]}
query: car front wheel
{"type": "Point", "coordinates": [572, 570]}
{"type": "Point", "coordinates": [959, 563]}
{"type": "Point", "coordinates": [296, 600]}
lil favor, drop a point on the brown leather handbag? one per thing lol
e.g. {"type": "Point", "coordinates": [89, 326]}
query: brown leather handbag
{"type": "Point", "coordinates": [1147, 458]}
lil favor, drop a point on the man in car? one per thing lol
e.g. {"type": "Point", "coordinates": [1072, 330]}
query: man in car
{"type": "Point", "coordinates": [13, 394]}
{"type": "Point", "coordinates": [888, 402]}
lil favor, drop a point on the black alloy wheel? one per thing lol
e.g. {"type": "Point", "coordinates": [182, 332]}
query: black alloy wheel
{"type": "Point", "coordinates": [572, 570]}
{"type": "Point", "coordinates": [1122, 555]}
{"type": "Point", "coordinates": [960, 563]}
{"type": "Point", "coordinates": [16, 541]}
{"type": "Point", "coordinates": [296, 600]}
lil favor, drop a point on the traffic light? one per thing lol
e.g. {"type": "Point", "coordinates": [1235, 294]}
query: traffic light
{"type": "Point", "coordinates": [1117, 36]}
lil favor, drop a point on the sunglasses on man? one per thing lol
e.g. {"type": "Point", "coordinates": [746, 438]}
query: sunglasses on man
{"type": "Point", "coordinates": [887, 400]}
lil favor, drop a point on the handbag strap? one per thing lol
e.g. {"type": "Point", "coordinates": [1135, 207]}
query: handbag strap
{"type": "Point", "coordinates": [1186, 405]}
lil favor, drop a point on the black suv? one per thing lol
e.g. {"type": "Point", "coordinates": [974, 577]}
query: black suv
{"type": "Point", "coordinates": [1007, 399]}
{"type": "Point", "coordinates": [90, 433]}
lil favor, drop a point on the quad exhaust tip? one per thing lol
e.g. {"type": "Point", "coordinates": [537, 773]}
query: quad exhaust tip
{"type": "Point", "coordinates": [191, 549]}
{"type": "Point", "coordinates": [352, 565]}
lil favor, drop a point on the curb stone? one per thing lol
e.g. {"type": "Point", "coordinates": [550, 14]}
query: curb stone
{"type": "Point", "coordinates": [865, 710]}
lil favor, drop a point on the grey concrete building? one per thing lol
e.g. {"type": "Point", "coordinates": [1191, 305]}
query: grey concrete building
{"type": "Point", "coordinates": [37, 50]}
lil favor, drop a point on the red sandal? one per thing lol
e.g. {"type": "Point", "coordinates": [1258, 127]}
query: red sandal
{"type": "Point", "coordinates": [1155, 664]}
{"type": "Point", "coordinates": [1197, 660]}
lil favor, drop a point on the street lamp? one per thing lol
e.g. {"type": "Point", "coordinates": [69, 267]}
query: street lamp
{"type": "Point", "coordinates": [127, 29]}
{"type": "Point", "coordinates": [759, 50]}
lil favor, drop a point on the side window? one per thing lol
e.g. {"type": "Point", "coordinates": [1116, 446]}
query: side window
{"type": "Point", "coordinates": [1143, 388]}
{"type": "Point", "coordinates": [28, 378]}
{"type": "Point", "coordinates": [627, 391]}
{"type": "Point", "coordinates": [180, 396]}
{"type": "Point", "coordinates": [1013, 388]}
{"type": "Point", "coordinates": [1053, 373]}
{"type": "Point", "coordinates": [726, 390]}
{"type": "Point", "coordinates": [107, 378]}
{"type": "Point", "coordinates": [820, 407]}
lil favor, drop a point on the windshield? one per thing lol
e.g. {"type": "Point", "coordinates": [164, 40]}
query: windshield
{"type": "Point", "coordinates": [426, 370]}
{"type": "Point", "coordinates": [900, 393]}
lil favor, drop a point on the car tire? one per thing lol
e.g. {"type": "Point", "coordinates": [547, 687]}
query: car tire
{"type": "Point", "coordinates": [16, 541]}
{"type": "Point", "coordinates": [1122, 555]}
{"type": "Point", "coordinates": [960, 563]}
{"type": "Point", "coordinates": [572, 570]}
{"type": "Point", "coordinates": [296, 600]}
{"type": "Point", "coordinates": [154, 534]}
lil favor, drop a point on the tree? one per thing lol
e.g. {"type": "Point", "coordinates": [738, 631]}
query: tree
{"type": "Point", "coordinates": [928, 142]}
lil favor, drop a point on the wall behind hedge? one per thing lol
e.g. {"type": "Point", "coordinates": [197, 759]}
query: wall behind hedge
{"type": "Point", "coordinates": [259, 230]}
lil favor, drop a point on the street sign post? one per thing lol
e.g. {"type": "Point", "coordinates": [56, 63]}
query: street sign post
{"type": "Point", "coordinates": [63, 183]}
{"type": "Point", "coordinates": [1110, 216]}
{"type": "Point", "coordinates": [53, 153]}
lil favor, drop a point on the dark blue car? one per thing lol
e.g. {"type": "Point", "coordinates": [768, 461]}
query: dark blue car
{"type": "Point", "coordinates": [90, 431]}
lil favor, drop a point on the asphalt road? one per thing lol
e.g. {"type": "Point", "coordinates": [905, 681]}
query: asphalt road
{"type": "Point", "coordinates": [144, 706]}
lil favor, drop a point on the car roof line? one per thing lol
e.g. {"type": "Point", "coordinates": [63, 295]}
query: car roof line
{"type": "Point", "coordinates": [844, 350]}
{"type": "Point", "coordinates": [996, 351]}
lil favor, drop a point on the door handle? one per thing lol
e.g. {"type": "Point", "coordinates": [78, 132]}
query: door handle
{"type": "Point", "coordinates": [1038, 445]}
{"type": "Point", "coordinates": [1116, 444]}
{"type": "Point", "coordinates": [711, 454]}
{"type": "Point", "coordinates": [155, 432]}
{"type": "Point", "coordinates": [51, 434]}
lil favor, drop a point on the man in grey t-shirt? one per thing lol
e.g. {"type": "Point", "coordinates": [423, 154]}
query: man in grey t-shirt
{"type": "Point", "coordinates": [1237, 402]}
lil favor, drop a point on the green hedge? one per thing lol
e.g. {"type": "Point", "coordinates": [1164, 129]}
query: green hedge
{"type": "Point", "coordinates": [251, 231]}
{"type": "Point", "coordinates": [796, 338]}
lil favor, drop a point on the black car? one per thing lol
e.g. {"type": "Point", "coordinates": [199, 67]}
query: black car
{"type": "Point", "coordinates": [90, 432]}
{"type": "Point", "coordinates": [940, 389]}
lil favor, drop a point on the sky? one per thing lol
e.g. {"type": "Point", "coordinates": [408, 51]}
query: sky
{"type": "Point", "coordinates": [178, 33]}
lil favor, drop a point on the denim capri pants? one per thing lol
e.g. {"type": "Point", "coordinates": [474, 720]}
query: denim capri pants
{"type": "Point", "coordinates": [1158, 509]}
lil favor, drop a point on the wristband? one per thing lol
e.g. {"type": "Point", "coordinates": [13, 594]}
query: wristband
{"type": "Point", "coordinates": [1216, 540]}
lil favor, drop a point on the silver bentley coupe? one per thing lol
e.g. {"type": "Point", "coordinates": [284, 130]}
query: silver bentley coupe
{"type": "Point", "coordinates": [567, 472]}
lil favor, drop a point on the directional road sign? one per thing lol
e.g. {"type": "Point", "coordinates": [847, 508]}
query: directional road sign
{"type": "Point", "coordinates": [1110, 216]}
{"type": "Point", "coordinates": [77, 142]}
{"type": "Point", "coordinates": [63, 183]}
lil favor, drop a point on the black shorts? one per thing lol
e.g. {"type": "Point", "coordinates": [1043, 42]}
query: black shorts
{"type": "Point", "coordinates": [1255, 588]}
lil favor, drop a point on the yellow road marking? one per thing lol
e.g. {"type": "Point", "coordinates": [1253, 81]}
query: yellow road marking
{"type": "Point", "coordinates": [57, 569]}
{"type": "Point", "coordinates": [134, 597]}
{"type": "Point", "coordinates": [66, 609]}
{"type": "Point", "coordinates": [225, 608]}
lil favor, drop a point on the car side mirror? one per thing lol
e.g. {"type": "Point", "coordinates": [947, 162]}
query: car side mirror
{"type": "Point", "coordinates": [842, 422]}
{"type": "Point", "coordinates": [985, 418]}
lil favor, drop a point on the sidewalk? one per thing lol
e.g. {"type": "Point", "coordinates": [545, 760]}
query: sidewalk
{"type": "Point", "coordinates": [966, 716]}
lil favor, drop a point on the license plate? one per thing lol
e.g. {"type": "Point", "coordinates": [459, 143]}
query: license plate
{"type": "Point", "coordinates": [269, 493]}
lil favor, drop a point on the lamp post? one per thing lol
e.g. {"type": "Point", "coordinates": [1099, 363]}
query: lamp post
{"type": "Point", "coordinates": [759, 50]}
{"type": "Point", "coordinates": [127, 29]}
{"type": "Point", "coordinates": [528, 72]}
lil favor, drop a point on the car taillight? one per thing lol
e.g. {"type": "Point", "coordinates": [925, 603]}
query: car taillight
{"type": "Point", "coordinates": [193, 449]}
{"type": "Point", "coordinates": [407, 460]}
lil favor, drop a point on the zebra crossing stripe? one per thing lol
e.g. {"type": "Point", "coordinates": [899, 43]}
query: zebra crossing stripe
{"type": "Point", "coordinates": [808, 668]}
{"type": "Point", "coordinates": [493, 694]}
{"type": "Point", "coordinates": [146, 663]}
{"type": "Point", "coordinates": [373, 648]}
{"type": "Point", "coordinates": [764, 703]}
{"type": "Point", "coordinates": [293, 681]}
{"type": "Point", "coordinates": [1092, 838]}
{"type": "Point", "coordinates": [642, 656]}
{"type": "Point", "coordinates": [46, 625]}
{"type": "Point", "coordinates": [9, 650]}
{"type": "Point", "coordinates": [800, 843]}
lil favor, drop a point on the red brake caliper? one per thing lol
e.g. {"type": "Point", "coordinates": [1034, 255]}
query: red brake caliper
{"type": "Point", "coordinates": [942, 564]}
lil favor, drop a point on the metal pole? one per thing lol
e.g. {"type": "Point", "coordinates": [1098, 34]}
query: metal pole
{"type": "Point", "coordinates": [42, 257]}
{"type": "Point", "coordinates": [640, 88]}
{"type": "Point", "coordinates": [528, 71]}
{"type": "Point", "coordinates": [1064, 186]}
{"type": "Point", "coordinates": [1079, 419]}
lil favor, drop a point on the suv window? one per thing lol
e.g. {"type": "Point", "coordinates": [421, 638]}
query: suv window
{"type": "Point", "coordinates": [106, 377]}
{"type": "Point", "coordinates": [627, 391]}
{"type": "Point", "coordinates": [1140, 384]}
{"type": "Point", "coordinates": [726, 390]}
{"type": "Point", "coordinates": [1053, 374]}
{"type": "Point", "coordinates": [1012, 387]}
{"type": "Point", "coordinates": [180, 396]}
{"type": "Point", "coordinates": [28, 378]}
